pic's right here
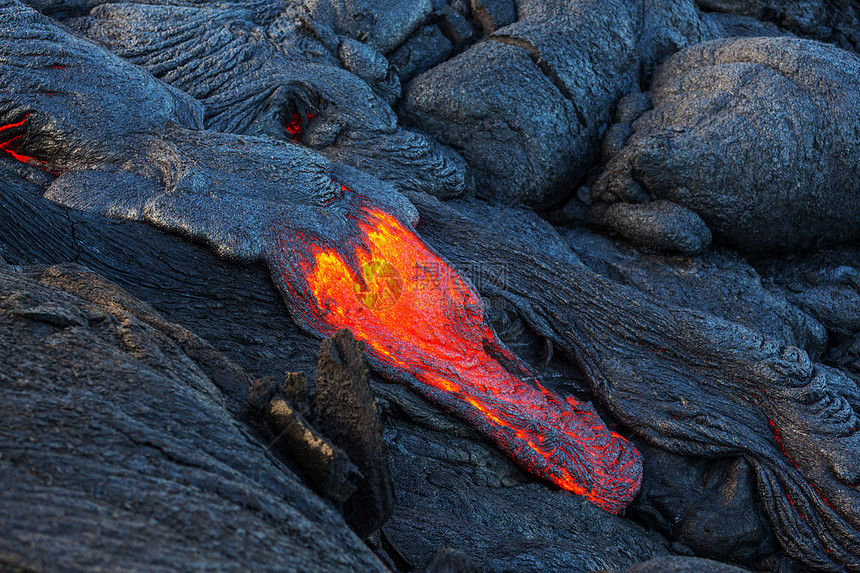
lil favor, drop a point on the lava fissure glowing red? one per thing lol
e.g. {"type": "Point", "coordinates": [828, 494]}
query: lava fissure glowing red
{"type": "Point", "coordinates": [778, 437]}
{"type": "Point", "coordinates": [430, 333]}
{"type": "Point", "coordinates": [8, 146]}
{"type": "Point", "coordinates": [295, 125]}
{"type": "Point", "coordinates": [11, 125]}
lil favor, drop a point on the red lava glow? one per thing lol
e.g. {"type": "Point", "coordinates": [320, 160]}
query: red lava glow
{"type": "Point", "coordinates": [11, 125]}
{"type": "Point", "coordinates": [295, 125]}
{"type": "Point", "coordinates": [425, 327]}
{"type": "Point", "coordinates": [782, 449]}
{"type": "Point", "coordinates": [7, 145]}
{"type": "Point", "coordinates": [778, 437]}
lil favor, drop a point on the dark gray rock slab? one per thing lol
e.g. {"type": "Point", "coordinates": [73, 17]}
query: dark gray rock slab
{"type": "Point", "coordinates": [321, 462]}
{"type": "Point", "coordinates": [709, 506]}
{"type": "Point", "coordinates": [119, 452]}
{"type": "Point", "coordinates": [343, 408]}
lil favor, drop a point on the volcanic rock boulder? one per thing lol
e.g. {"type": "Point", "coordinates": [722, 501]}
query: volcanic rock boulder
{"type": "Point", "coordinates": [118, 451]}
{"type": "Point", "coordinates": [382, 24]}
{"type": "Point", "coordinates": [423, 50]}
{"type": "Point", "coordinates": [527, 106]}
{"type": "Point", "coordinates": [755, 138]}
{"type": "Point", "coordinates": [710, 506]}
{"type": "Point", "coordinates": [281, 80]}
{"type": "Point", "coordinates": [828, 20]}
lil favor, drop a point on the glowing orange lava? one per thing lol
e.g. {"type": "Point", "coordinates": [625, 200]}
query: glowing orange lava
{"type": "Point", "coordinates": [434, 338]}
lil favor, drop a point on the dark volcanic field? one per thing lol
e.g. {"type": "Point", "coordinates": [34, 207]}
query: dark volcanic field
{"type": "Point", "coordinates": [657, 200]}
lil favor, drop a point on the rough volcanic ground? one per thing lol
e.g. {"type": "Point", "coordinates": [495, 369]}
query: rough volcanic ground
{"type": "Point", "coordinates": [657, 200]}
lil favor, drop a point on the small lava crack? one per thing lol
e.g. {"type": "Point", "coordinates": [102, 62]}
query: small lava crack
{"type": "Point", "coordinates": [74, 232]}
{"type": "Point", "coordinates": [544, 67]}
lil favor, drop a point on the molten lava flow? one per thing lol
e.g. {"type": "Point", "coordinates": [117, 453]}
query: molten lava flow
{"type": "Point", "coordinates": [423, 325]}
